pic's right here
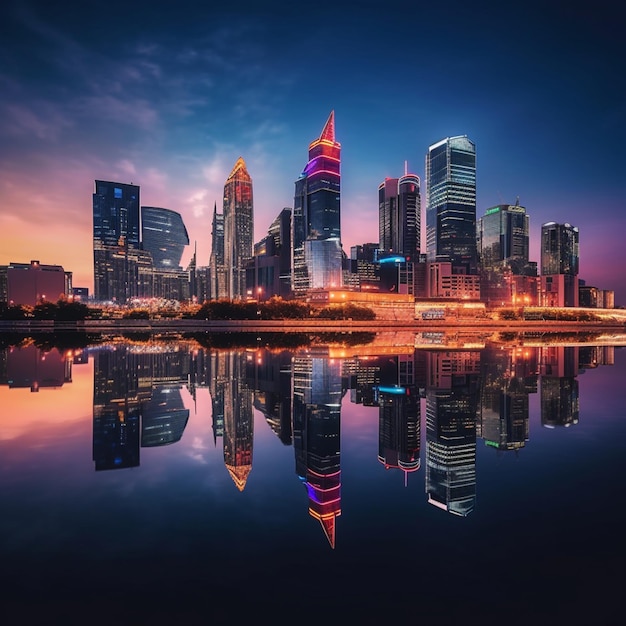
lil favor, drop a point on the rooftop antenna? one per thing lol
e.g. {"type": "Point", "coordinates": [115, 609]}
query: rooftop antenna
{"type": "Point", "coordinates": [406, 167]}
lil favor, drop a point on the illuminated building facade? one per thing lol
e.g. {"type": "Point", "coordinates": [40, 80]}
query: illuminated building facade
{"type": "Point", "coordinates": [269, 271]}
{"type": "Point", "coordinates": [503, 236]}
{"type": "Point", "coordinates": [238, 229]}
{"type": "Point", "coordinates": [559, 265]}
{"type": "Point", "coordinates": [217, 269]}
{"type": "Point", "coordinates": [399, 208]}
{"type": "Point", "coordinates": [163, 235]}
{"type": "Point", "coordinates": [116, 241]}
{"type": "Point", "coordinates": [507, 276]}
{"type": "Point", "coordinates": [317, 256]}
{"type": "Point", "coordinates": [451, 203]}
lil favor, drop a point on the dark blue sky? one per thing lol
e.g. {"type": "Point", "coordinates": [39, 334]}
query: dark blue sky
{"type": "Point", "coordinates": [169, 95]}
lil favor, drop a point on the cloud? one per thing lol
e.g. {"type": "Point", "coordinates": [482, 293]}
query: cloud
{"type": "Point", "coordinates": [40, 120]}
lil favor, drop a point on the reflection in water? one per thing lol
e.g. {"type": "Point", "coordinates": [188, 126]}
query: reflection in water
{"type": "Point", "coordinates": [136, 402]}
{"type": "Point", "coordinates": [452, 394]}
{"type": "Point", "coordinates": [317, 393]}
{"type": "Point", "coordinates": [238, 417]}
{"type": "Point", "coordinates": [466, 395]}
{"type": "Point", "coordinates": [30, 367]}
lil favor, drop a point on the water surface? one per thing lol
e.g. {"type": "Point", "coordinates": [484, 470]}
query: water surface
{"type": "Point", "coordinates": [148, 481]}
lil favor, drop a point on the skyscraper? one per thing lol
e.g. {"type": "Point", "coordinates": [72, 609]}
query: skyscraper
{"type": "Point", "coordinates": [164, 235]}
{"type": "Point", "coordinates": [238, 229]}
{"type": "Point", "coordinates": [503, 236]}
{"type": "Point", "coordinates": [118, 259]}
{"type": "Point", "coordinates": [451, 203]}
{"type": "Point", "coordinates": [116, 214]}
{"type": "Point", "coordinates": [317, 254]}
{"type": "Point", "coordinates": [217, 280]}
{"type": "Point", "coordinates": [559, 264]}
{"type": "Point", "coordinates": [399, 207]}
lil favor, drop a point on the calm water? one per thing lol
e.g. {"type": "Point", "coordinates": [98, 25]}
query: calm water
{"type": "Point", "coordinates": [147, 482]}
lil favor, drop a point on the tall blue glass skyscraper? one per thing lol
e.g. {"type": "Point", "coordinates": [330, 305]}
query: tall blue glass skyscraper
{"type": "Point", "coordinates": [451, 204]}
{"type": "Point", "coordinates": [116, 241]}
{"type": "Point", "coordinates": [116, 214]}
{"type": "Point", "coordinates": [317, 253]}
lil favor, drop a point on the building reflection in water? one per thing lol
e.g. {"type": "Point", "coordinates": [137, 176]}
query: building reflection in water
{"type": "Point", "coordinates": [399, 419]}
{"type": "Point", "coordinates": [452, 392]}
{"type": "Point", "coordinates": [468, 394]}
{"type": "Point", "coordinates": [137, 402]}
{"type": "Point", "coordinates": [269, 374]}
{"type": "Point", "coordinates": [559, 387]}
{"type": "Point", "coordinates": [238, 417]}
{"type": "Point", "coordinates": [508, 376]}
{"type": "Point", "coordinates": [317, 394]}
{"type": "Point", "coordinates": [30, 367]}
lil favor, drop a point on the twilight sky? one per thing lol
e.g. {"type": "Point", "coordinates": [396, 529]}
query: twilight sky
{"type": "Point", "coordinates": [168, 95]}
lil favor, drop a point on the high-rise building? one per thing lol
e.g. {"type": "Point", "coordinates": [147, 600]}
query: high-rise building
{"type": "Point", "coordinates": [451, 204]}
{"type": "Point", "coordinates": [269, 271]}
{"type": "Point", "coordinates": [559, 264]}
{"type": "Point", "coordinates": [502, 238]}
{"type": "Point", "coordinates": [399, 208]}
{"type": "Point", "coordinates": [116, 214]}
{"type": "Point", "coordinates": [217, 278]}
{"type": "Point", "coordinates": [317, 257]}
{"type": "Point", "coordinates": [164, 235]}
{"type": "Point", "coordinates": [116, 241]}
{"type": "Point", "coordinates": [238, 229]}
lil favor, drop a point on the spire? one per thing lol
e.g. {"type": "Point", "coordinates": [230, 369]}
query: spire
{"type": "Point", "coordinates": [240, 165]}
{"type": "Point", "coordinates": [329, 526]}
{"type": "Point", "coordinates": [328, 134]}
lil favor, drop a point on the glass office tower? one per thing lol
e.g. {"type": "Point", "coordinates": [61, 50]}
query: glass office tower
{"type": "Point", "coordinates": [399, 207]}
{"type": "Point", "coordinates": [116, 242]}
{"type": "Point", "coordinates": [164, 235]}
{"type": "Point", "coordinates": [559, 264]}
{"type": "Point", "coordinates": [238, 229]}
{"type": "Point", "coordinates": [217, 280]}
{"type": "Point", "coordinates": [116, 214]}
{"type": "Point", "coordinates": [503, 235]}
{"type": "Point", "coordinates": [317, 254]}
{"type": "Point", "coordinates": [451, 203]}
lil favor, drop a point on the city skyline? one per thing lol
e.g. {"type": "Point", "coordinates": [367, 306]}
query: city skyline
{"type": "Point", "coordinates": [537, 92]}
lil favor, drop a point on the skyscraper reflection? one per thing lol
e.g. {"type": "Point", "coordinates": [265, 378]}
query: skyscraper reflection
{"type": "Point", "coordinates": [269, 374]}
{"type": "Point", "coordinates": [507, 378]}
{"type": "Point", "coordinates": [238, 418]}
{"type": "Point", "coordinates": [136, 403]}
{"type": "Point", "coordinates": [399, 416]}
{"type": "Point", "coordinates": [559, 387]}
{"type": "Point", "coordinates": [452, 394]}
{"type": "Point", "coordinates": [317, 392]}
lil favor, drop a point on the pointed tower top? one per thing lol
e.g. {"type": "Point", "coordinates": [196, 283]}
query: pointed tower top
{"type": "Point", "coordinates": [328, 134]}
{"type": "Point", "coordinates": [240, 166]}
{"type": "Point", "coordinates": [329, 526]}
